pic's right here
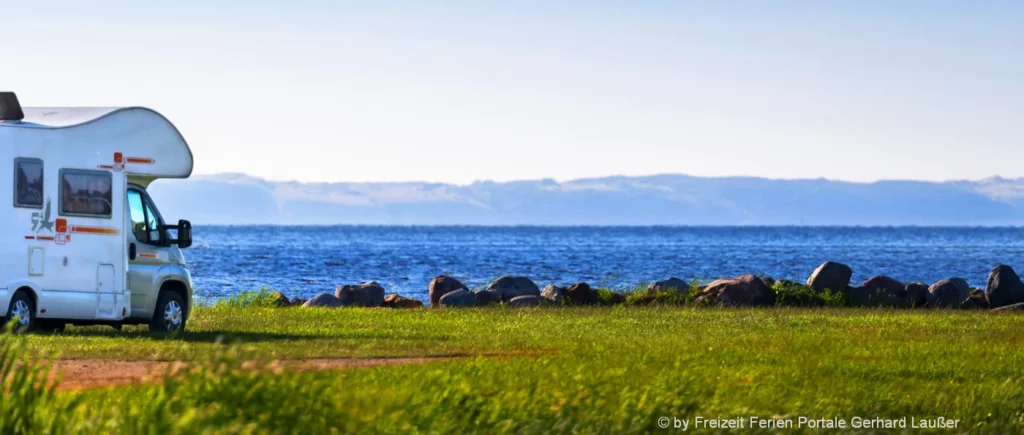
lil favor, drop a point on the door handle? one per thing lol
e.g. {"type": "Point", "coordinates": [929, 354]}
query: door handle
{"type": "Point", "coordinates": [132, 251]}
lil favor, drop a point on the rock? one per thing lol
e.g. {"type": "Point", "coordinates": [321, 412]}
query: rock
{"type": "Point", "coordinates": [396, 301]}
{"type": "Point", "coordinates": [581, 294]}
{"type": "Point", "coordinates": [745, 290]}
{"type": "Point", "coordinates": [887, 284]}
{"type": "Point", "coordinates": [514, 286]}
{"type": "Point", "coordinates": [671, 284]}
{"type": "Point", "coordinates": [1012, 307]}
{"type": "Point", "coordinates": [976, 301]}
{"type": "Point", "coordinates": [1004, 287]}
{"type": "Point", "coordinates": [526, 301]}
{"type": "Point", "coordinates": [458, 298]}
{"type": "Point", "coordinates": [553, 293]}
{"type": "Point", "coordinates": [917, 294]}
{"type": "Point", "coordinates": [367, 294]}
{"type": "Point", "coordinates": [441, 286]}
{"type": "Point", "coordinates": [323, 300]}
{"type": "Point", "coordinates": [830, 275]}
{"type": "Point", "coordinates": [878, 291]}
{"type": "Point", "coordinates": [768, 281]}
{"type": "Point", "coordinates": [874, 297]}
{"type": "Point", "coordinates": [487, 297]}
{"type": "Point", "coordinates": [279, 299]}
{"type": "Point", "coordinates": [949, 293]}
{"type": "Point", "coordinates": [298, 301]}
{"type": "Point", "coordinates": [576, 294]}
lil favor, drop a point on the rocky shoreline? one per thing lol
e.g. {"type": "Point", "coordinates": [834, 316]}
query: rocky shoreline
{"type": "Point", "coordinates": [828, 285]}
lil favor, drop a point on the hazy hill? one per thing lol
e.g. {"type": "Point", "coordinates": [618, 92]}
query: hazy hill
{"type": "Point", "coordinates": [651, 200]}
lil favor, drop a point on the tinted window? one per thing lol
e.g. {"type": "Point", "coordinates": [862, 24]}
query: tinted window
{"type": "Point", "coordinates": [138, 216]}
{"type": "Point", "coordinates": [152, 223]}
{"type": "Point", "coordinates": [145, 221]}
{"type": "Point", "coordinates": [85, 193]}
{"type": "Point", "coordinates": [28, 183]}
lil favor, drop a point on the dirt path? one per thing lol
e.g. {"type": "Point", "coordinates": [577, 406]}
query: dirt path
{"type": "Point", "coordinates": [80, 374]}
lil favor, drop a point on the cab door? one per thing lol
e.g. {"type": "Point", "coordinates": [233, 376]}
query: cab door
{"type": "Point", "coordinates": [147, 251]}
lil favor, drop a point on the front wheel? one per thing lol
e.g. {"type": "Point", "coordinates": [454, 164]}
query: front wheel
{"type": "Point", "coordinates": [169, 316]}
{"type": "Point", "coordinates": [22, 311]}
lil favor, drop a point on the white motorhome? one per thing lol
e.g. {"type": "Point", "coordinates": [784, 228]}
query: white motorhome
{"type": "Point", "coordinates": [83, 243]}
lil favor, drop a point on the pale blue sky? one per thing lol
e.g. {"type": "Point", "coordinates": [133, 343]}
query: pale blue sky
{"type": "Point", "coordinates": [463, 91]}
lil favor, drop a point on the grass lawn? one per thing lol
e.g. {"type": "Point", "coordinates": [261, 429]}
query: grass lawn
{"type": "Point", "coordinates": [563, 369]}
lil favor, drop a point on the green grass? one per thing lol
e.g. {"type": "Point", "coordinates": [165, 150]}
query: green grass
{"type": "Point", "coordinates": [562, 369]}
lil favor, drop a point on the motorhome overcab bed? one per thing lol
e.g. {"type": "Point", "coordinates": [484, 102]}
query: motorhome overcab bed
{"type": "Point", "coordinates": [83, 243]}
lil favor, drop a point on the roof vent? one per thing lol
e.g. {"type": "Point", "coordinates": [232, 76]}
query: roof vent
{"type": "Point", "coordinates": [10, 110]}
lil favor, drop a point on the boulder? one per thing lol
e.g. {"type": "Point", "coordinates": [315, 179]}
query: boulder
{"type": "Point", "coordinates": [487, 297]}
{"type": "Point", "coordinates": [298, 301]}
{"type": "Point", "coordinates": [874, 297]}
{"type": "Point", "coordinates": [768, 281]}
{"type": "Point", "coordinates": [396, 301]}
{"type": "Point", "coordinates": [1004, 287]}
{"type": "Point", "coordinates": [553, 293]}
{"type": "Point", "coordinates": [367, 294]}
{"type": "Point", "coordinates": [886, 284]}
{"type": "Point", "coordinates": [949, 293]}
{"type": "Point", "coordinates": [514, 286]}
{"type": "Point", "coordinates": [745, 290]}
{"type": "Point", "coordinates": [671, 284]}
{"type": "Point", "coordinates": [976, 301]}
{"type": "Point", "coordinates": [1012, 307]}
{"type": "Point", "coordinates": [441, 286]}
{"type": "Point", "coordinates": [279, 299]}
{"type": "Point", "coordinates": [830, 275]}
{"type": "Point", "coordinates": [323, 300]}
{"type": "Point", "coordinates": [458, 298]}
{"type": "Point", "coordinates": [526, 301]}
{"type": "Point", "coordinates": [581, 294]}
{"type": "Point", "coordinates": [917, 294]}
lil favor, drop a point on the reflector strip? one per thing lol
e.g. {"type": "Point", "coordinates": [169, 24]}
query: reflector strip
{"type": "Point", "coordinates": [93, 230]}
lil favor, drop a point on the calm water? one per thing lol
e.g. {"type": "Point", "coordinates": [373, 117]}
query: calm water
{"type": "Point", "coordinates": [302, 261]}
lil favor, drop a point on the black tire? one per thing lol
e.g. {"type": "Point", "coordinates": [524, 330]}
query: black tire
{"type": "Point", "coordinates": [21, 306]}
{"type": "Point", "coordinates": [169, 306]}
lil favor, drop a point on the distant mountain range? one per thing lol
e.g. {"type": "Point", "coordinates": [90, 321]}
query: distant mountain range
{"type": "Point", "coordinates": [649, 200]}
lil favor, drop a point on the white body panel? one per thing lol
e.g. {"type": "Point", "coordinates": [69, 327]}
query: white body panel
{"type": "Point", "coordinates": [76, 265]}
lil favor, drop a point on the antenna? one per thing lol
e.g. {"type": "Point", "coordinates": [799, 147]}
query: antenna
{"type": "Point", "coordinates": [10, 110]}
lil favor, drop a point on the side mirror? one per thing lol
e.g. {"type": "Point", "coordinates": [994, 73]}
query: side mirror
{"type": "Point", "coordinates": [184, 239]}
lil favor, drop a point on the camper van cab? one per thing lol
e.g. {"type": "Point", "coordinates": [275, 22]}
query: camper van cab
{"type": "Point", "coordinates": [84, 242]}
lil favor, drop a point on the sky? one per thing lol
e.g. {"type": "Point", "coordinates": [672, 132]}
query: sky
{"type": "Point", "coordinates": [457, 92]}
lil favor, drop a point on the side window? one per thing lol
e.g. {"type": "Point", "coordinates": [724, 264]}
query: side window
{"type": "Point", "coordinates": [152, 223]}
{"type": "Point", "coordinates": [28, 183]}
{"type": "Point", "coordinates": [85, 193]}
{"type": "Point", "coordinates": [135, 209]}
{"type": "Point", "coordinates": [145, 220]}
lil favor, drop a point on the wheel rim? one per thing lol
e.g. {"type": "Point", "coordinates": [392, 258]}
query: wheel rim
{"type": "Point", "coordinates": [22, 312]}
{"type": "Point", "coordinates": [172, 316]}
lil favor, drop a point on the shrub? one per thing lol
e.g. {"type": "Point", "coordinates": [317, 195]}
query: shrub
{"type": "Point", "coordinates": [264, 298]}
{"type": "Point", "coordinates": [791, 294]}
{"type": "Point", "coordinates": [641, 296]}
{"type": "Point", "coordinates": [607, 296]}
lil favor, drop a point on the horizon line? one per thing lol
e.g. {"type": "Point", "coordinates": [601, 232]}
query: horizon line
{"type": "Point", "coordinates": [572, 180]}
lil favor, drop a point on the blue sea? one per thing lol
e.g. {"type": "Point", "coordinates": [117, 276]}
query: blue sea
{"type": "Point", "coordinates": [306, 260]}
